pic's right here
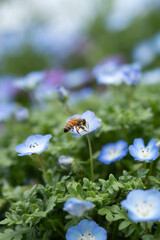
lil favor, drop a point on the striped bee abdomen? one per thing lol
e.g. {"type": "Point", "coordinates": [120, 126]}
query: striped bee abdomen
{"type": "Point", "coordinates": [69, 125]}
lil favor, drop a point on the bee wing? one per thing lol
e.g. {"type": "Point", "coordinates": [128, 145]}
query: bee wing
{"type": "Point", "coordinates": [73, 118]}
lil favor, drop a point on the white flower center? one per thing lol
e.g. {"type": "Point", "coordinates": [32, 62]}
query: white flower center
{"type": "Point", "coordinates": [86, 236]}
{"type": "Point", "coordinates": [112, 154]}
{"type": "Point", "coordinates": [145, 153]}
{"type": "Point", "coordinates": [33, 146]}
{"type": "Point", "coordinates": [144, 208]}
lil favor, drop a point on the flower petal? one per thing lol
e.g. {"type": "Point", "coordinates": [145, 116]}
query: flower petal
{"type": "Point", "coordinates": [152, 143]}
{"type": "Point", "coordinates": [73, 233]}
{"type": "Point", "coordinates": [133, 151]}
{"type": "Point", "coordinates": [138, 143]}
{"type": "Point", "coordinates": [100, 233]}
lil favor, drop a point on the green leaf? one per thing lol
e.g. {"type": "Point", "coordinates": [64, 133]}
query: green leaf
{"type": "Point", "coordinates": [10, 234]}
{"type": "Point", "coordinates": [124, 225]}
{"type": "Point", "coordinates": [148, 237]}
{"type": "Point", "coordinates": [154, 179]}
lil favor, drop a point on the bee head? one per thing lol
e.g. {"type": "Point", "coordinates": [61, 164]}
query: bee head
{"type": "Point", "coordinates": [84, 121]}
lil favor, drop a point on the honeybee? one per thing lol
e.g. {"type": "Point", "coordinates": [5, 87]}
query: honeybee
{"type": "Point", "coordinates": [78, 123]}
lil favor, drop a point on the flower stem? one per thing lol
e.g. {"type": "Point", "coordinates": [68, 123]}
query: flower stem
{"type": "Point", "coordinates": [91, 158]}
{"type": "Point", "coordinates": [146, 227]}
{"type": "Point", "coordinates": [151, 168]}
{"type": "Point", "coordinates": [43, 168]}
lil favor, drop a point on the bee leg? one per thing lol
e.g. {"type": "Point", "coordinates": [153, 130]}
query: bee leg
{"type": "Point", "coordinates": [84, 129]}
{"type": "Point", "coordinates": [77, 129]}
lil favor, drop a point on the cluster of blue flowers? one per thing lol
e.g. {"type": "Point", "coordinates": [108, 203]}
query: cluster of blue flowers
{"type": "Point", "coordinates": [142, 205]}
{"type": "Point", "coordinates": [112, 152]}
{"type": "Point", "coordinates": [115, 73]}
{"type": "Point", "coordinates": [42, 85]}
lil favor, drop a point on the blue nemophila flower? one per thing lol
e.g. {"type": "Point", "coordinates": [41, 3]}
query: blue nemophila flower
{"type": "Point", "coordinates": [143, 205]}
{"type": "Point", "coordinates": [144, 153]}
{"type": "Point", "coordinates": [90, 123]}
{"type": "Point", "coordinates": [6, 111]}
{"type": "Point", "coordinates": [22, 114]}
{"type": "Point", "coordinates": [158, 145]}
{"type": "Point", "coordinates": [44, 92]}
{"type": "Point", "coordinates": [131, 73]}
{"type": "Point", "coordinates": [77, 207]}
{"type": "Point", "coordinates": [107, 72]}
{"type": "Point", "coordinates": [156, 43]}
{"type": "Point", "coordinates": [62, 93]}
{"type": "Point", "coordinates": [30, 81]}
{"type": "Point", "coordinates": [151, 76]}
{"type": "Point", "coordinates": [65, 162]}
{"type": "Point", "coordinates": [112, 152]}
{"type": "Point", "coordinates": [34, 144]}
{"type": "Point", "coordinates": [86, 230]}
{"type": "Point", "coordinates": [144, 52]}
{"type": "Point", "coordinates": [76, 78]}
{"type": "Point", "coordinates": [80, 95]}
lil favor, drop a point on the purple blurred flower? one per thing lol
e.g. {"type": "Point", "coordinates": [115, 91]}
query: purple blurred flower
{"type": "Point", "coordinates": [54, 77]}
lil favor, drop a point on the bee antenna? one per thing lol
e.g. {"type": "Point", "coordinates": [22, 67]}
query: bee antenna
{"type": "Point", "coordinates": [68, 113]}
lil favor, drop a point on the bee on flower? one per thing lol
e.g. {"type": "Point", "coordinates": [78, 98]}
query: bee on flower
{"type": "Point", "coordinates": [82, 124]}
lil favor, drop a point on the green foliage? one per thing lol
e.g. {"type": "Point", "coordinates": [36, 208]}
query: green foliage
{"type": "Point", "coordinates": [32, 203]}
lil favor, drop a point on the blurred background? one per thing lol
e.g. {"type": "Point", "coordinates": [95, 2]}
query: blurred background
{"type": "Point", "coordinates": [71, 34]}
{"type": "Point", "coordinates": [67, 38]}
